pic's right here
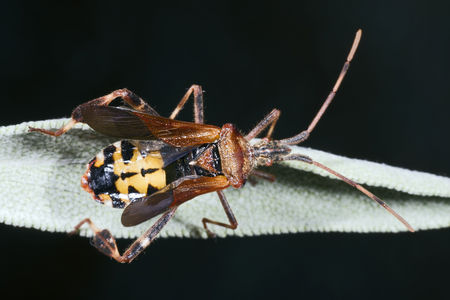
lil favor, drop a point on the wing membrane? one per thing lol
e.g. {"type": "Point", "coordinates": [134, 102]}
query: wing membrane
{"type": "Point", "coordinates": [172, 195]}
{"type": "Point", "coordinates": [179, 133]}
{"type": "Point", "coordinates": [119, 122]}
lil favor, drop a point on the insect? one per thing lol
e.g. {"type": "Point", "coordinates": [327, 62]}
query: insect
{"type": "Point", "coordinates": [160, 163]}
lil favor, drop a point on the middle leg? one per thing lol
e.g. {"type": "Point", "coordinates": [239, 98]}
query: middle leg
{"type": "Point", "coordinates": [198, 104]}
{"type": "Point", "coordinates": [231, 218]}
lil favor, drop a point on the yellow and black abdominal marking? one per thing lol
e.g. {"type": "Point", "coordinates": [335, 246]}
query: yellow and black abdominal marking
{"type": "Point", "coordinates": [120, 173]}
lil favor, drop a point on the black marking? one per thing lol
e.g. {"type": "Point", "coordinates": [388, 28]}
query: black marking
{"type": "Point", "coordinates": [117, 202]}
{"type": "Point", "coordinates": [183, 168]}
{"type": "Point", "coordinates": [131, 190]}
{"type": "Point", "coordinates": [135, 250]}
{"type": "Point", "coordinates": [217, 163]}
{"type": "Point", "coordinates": [151, 189]}
{"type": "Point", "coordinates": [148, 171]}
{"type": "Point", "coordinates": [133, 194]}
{"type": "Point", "coordinates": [108, 154]}
{"type": "Point", "coordinates": [135, 100]}
{"type": "Point", "coordinates": [171, 172]}
{"type": "Point", "coordinates": [100, 244]}
{"type": "Point", "coordinates": [102, 179]}
{"type": "Point", "coordinates": [127, 150]}
{"type": "Point", "coordinates": [171, 154]}
{"type": "Point", "coordinates": [127, 174]}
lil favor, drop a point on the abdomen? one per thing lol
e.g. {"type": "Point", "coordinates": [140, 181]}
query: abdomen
{"type": "Point", "coordinates": [120, 174]}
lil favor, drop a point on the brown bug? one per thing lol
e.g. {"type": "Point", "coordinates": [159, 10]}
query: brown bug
{"type": "Point", "coordinates": [164, 162]}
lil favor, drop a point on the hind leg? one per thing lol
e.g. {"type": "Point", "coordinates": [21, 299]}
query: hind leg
{"type": "Point", "coordinates": [106, 243]}
{"type": "Point", "coordinates": [130, 98]}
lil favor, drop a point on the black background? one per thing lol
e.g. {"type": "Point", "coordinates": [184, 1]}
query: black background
{"type": "Point", "coordinates": [249, 57]}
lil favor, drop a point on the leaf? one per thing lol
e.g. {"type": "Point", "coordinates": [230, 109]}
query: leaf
{"type": "Point", "coordinates": [40, 185]}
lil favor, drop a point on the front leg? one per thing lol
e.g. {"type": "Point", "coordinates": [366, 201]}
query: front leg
{"type": "Point", "coordinates": [270, 119]}
{"type": "Point", "coordinates": [130, 98]}
{"type": "Point", "coordinates": [106, 244]}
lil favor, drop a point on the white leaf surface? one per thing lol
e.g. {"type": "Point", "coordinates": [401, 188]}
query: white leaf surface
{"type": "Point", "coordinates": [40, 188]}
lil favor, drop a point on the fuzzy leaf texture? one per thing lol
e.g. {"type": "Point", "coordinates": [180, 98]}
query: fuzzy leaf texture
{"type": "Point", "coordinates": [40, 188]}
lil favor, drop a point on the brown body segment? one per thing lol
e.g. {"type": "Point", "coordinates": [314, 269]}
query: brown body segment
{"type": "Point", "coordinates": [236, 154]}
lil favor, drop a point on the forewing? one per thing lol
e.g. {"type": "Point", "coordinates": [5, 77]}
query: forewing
{"type": "Point", "coordinates": [147, 207]}
{"type": "Point", "coordinates": [119, 122]}
{"type": "Point", "coordinates": [179, 133]}
{"type": "Point", "coordinates": [172, 195]}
